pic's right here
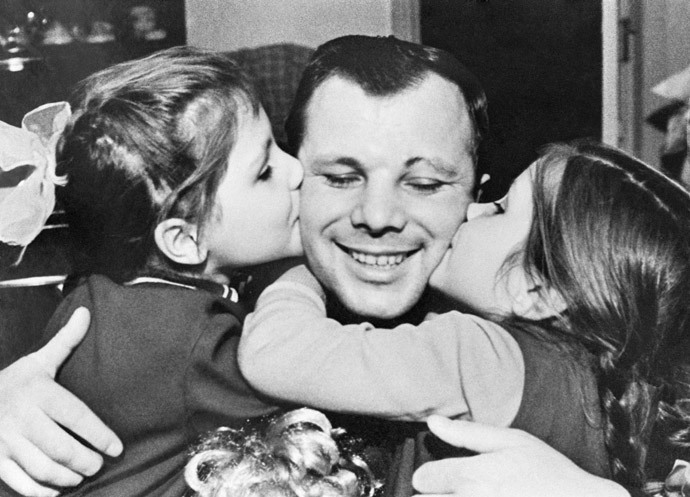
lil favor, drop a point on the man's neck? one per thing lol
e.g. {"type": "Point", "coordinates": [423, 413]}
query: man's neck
{"type": "Point", "coordinates": [429, 302]}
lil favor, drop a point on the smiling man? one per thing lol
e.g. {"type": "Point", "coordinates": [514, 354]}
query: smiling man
{"type": "Point", "coordinates": [387, 132]}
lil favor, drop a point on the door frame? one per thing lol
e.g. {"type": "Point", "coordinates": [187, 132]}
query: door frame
{"type": "Point", "coordinates": [405, 21]}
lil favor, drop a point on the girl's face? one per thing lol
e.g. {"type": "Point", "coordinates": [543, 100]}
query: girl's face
{"type": "Point", "coordinates": [473, 271]}
{"type": "Point", "coordinates": [256, 214]}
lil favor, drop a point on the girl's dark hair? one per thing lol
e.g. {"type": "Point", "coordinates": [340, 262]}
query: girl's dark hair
{"type": "Point", "coordinates": [150, 139]}
{"type": "Point", "coordinates": [612, 236]}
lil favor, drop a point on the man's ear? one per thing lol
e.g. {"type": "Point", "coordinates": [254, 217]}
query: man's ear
{"type": "Point", "coordinates": [538, 302]}
{"type": "Point", "coordinates": [179, 241]}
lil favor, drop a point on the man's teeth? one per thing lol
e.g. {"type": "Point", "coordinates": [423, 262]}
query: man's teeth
{"type": "Point", "coordinates": [377, 260]}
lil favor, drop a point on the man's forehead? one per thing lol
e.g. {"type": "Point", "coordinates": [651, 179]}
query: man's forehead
{"type": "Point", "coordinates": [433, 109]}
{"type": "Point", "coordinates": [335, 86]}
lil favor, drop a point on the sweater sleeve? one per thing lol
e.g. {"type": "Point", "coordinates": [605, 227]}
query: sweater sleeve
{"type": "Point", "coordinates": [452, 364]}
{"type": "Point", "coordinates": [216, 393]}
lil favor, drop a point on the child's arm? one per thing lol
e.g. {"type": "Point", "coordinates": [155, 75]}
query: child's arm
{"type": "Point", "coordinates": [453, 364]}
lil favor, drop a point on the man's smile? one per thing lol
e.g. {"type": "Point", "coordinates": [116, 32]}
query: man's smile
{"type": "Point", "coordinates": [383, 259]}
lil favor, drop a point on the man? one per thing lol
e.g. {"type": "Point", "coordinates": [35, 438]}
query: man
{"type": "Point", "coordinates": [388, 133]}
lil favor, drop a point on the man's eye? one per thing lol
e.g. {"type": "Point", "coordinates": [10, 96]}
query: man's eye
{"type": "Point", "coordinates": [341, 181]}
{"type": "Point", "coordinates": [266, 173]}
{"type": "Point", "coordinates": [426, 186]}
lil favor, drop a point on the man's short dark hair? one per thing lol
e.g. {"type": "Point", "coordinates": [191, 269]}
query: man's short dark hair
{"type": "Point", "coordinates": [383, 66]}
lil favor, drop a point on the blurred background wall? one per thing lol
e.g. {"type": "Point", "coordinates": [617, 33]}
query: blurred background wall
{"type": "Point", "coordinates": [228, 25]}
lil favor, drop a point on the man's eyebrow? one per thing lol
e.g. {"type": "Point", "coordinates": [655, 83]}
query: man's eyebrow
{"type": "Point", "coordinates": [442, 166]}
{"type": "Point", "coordinates": [336, 160]}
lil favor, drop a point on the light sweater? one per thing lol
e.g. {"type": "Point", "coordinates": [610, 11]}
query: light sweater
{"type": "Point", "coordinates": [453, 364]}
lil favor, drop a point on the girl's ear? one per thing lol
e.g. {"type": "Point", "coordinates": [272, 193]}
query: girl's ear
{"type": "Point", "coordinates": [538, 302]}
{"type": "Point", "coordinates": [179, 241]}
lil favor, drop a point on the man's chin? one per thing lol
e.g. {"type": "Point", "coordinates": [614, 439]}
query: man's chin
{"type": "Point", "coordinates": [371, 293]}
{"type": "Point", "coordinates": [378, 305]}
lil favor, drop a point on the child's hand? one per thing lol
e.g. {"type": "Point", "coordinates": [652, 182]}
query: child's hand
{"type": "Point", "coordinates": [35, 451]}
{"type": "Point", "coordinates": [510, 463]}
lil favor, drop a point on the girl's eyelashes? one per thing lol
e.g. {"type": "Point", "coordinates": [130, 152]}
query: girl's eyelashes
{"type": "Point", "coordinates": [500, 205]}
{"type": "Point", "coordinates": [266, 173]}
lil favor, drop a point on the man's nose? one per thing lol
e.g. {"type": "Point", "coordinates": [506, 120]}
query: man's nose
{"type": "Point", "coordinates": [379, 210]}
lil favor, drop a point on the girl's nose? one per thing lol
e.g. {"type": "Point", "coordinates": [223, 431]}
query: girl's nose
{"type": "Point", "coordinates": [295, 171]}
{"type": "Point", "coordinates": [475, 210]}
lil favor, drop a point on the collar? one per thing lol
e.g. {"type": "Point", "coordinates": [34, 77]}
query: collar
{"type": "Point", "coordinates": [225, 291]}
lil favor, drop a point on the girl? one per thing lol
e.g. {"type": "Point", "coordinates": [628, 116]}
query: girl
{"type": "Point", "coordinates": [585, 263]}
{"type": "Point", "coordinates": [173, 182]}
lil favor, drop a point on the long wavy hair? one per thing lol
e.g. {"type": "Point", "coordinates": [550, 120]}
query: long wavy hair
{"type": "Point", "coordinates": [612, 236]}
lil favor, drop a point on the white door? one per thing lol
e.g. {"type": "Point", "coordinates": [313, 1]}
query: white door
{"type": "Point", "coordinates": [644, 42]}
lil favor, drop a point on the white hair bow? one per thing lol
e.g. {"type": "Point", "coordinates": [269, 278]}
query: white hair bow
{"type": "Point", "coordinates": [27, 172]}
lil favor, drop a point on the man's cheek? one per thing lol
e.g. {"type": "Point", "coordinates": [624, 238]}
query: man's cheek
{"type": "Point", "coordinates": [310, 210]}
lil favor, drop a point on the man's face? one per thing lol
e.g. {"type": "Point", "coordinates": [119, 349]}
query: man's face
{"type": "Point", "coordinates": [387, 183]}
